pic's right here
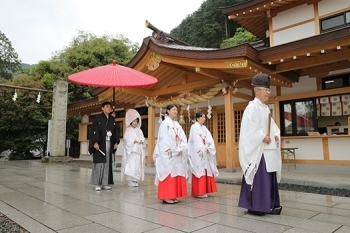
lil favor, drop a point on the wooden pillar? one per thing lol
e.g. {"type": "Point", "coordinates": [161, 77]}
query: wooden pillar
{"type": "Point", "coordinates": [230, 131]}
{"type": "Point", "coordinates": [151, 134]}
{"type": "Point", "coordinates": [278, 91]}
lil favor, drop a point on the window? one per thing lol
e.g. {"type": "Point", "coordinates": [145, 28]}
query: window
{"type": "Point", "coordinates": [336, 82]}
{"type": "Point", "coordinates": [335, 21]}
{"type": "Point", "coordinates": [188, 123]}
{"type": "Point", "coordinates": [142, 111]}
{"type": "Point", "coordinates": [119, 128]}
{"type": "Point", "coordinates": [88, 132]}
{"type": "Point", "coordinates": [120, 114]}
{"type": "Point", "coordinates": [238, 119]}
{"type": "Point", "coordinates": [221, 128]}
{"type": "Point", "coordinates": [144, 127]}
{"type": "Point", "coordinates": [298, 117]}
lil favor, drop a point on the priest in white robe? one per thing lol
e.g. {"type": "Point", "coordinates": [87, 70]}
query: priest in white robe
{"type": "Point", "coordinates": [202, 159]}
{"type": "Point", "coordinates": [133, 160]}
{"type": "Point", "coordinates": [259, 153]}
{"type": "Point", "coordinates": [170, 158]}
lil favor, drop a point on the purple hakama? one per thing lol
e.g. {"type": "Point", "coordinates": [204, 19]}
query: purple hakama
{"type": "Point", "coordinates": [264, 196]}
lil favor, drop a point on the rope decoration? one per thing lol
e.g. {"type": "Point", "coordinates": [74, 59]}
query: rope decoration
{"type": "Point", "coordinates": [182, 100]}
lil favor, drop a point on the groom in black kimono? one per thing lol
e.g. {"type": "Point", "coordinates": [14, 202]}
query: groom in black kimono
{"type": "Point", "coordinates": [103, 143]}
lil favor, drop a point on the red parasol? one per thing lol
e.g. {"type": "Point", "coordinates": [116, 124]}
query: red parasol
{"type": "Point", "coordinates": [112, 75]}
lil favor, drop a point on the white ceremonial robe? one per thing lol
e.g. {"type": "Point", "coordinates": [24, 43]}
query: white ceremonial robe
{"type": "Point", "coordinates": [201, 152]}
{"type": "Point", "coordinates": [133, 159]}
{"type": "Point", "coordinates": [171, 140]}
{"type": "Point", "coordinates": [254, 126]}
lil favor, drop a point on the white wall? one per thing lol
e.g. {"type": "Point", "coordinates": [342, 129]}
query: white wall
{"type": "Point", "coordinates": [304, 85]}
{"type": "Point", "coordinates": [310, 149]}
{"type": "Point", "coordinates": [296, 16]}
{"type": "Point", "coordinates": [329, 6]}
{"type": "Point", "coordinates": [294, 33]}
{"type": "Point", "coordinates": [339, 148]}
{"type": "Point", "coordinates": [293, 16]}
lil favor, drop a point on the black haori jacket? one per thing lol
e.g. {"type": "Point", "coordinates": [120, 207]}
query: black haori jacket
{"type": "Point", "coordinates": [98, 133]}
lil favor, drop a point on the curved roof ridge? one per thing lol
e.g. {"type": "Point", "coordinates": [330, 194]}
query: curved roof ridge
{"type": "Point", "coordinates": [163, 36]}
{"type": "Point", "coordinates": [179, 46]}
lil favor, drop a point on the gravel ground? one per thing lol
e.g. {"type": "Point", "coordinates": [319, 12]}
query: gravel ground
{"type": "Point", "coordinates": [9, 226]}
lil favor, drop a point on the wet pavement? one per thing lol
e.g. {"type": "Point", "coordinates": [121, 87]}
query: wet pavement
{"type": "Point", "coordinates": [54, 198]}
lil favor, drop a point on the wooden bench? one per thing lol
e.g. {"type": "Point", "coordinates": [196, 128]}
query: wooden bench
{"type": "Point", "coordinates": [289, 152]}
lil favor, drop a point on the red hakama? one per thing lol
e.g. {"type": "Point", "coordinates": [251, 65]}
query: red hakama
{"type": "Point", "coordinates": [172, 187]}
{"type": "Point", "coordinates": [203, 185]}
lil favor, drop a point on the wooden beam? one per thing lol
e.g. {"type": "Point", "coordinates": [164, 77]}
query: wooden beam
{"type": "Point", "coordinates": [25, 88]}
{"type": "Point", "coordinates": [245, 16]}
{"type": "Point", "coordinates": [234, 63]}
{"type": "Point", "coordinates": [278, 91]}
{"type": "Point", "coordinates": [268, 70]}
{"type": "Point", "coordinates": [336, 91]}
{"type": "Point", "coordinates": [317, 71]}
{"type": "Point", "coordinates": [124, 105]}
{"type": "Point", "coordinates": [181, 88]}
{"type": "Point", "coordinates": [185, 71]}
{"type": "Point", "coordinates": [213, 74]}
{"type": "Point", "coordinates": [136, 91]}
{"type": "Point", "coordinates": [168, 79]}
{"type": "Point", "coordinates": [244, 84]}
{"type": "Point", "coordinates": [313, 61]}
{"type": "Point", "coordinates": [314, 49]}
{"type": "Point", "coordinates": [319, 84]}
{"type": "Point", "coordinates": [243, 96]}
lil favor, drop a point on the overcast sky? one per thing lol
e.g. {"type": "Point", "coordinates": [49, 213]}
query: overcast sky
{"type": "Point", "coordinates": [37, 28]}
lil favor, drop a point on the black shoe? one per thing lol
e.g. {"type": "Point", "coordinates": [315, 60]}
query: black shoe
{"type": "Point", "coordinates": [256, 212]}
{"type": "Point", "coordinates": [276, 210]}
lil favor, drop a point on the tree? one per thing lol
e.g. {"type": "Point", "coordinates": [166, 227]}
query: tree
{"type": "Point", "coordinates": [9, 62]}
{"type": "Point", "coordinates": [241, 36]}
{"type": "Point", "coordinates": [206, 26]}
{"type": "Point", "coordinates": [84, 52]}
{"type": "Point", "coordinates": [23, 122]}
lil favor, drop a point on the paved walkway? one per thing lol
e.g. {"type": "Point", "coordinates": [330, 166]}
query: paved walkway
{"type": "Point", "coordinates": [55, 198]}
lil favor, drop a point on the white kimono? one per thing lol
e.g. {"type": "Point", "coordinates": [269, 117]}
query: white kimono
{"type": "Point", "coordinates": [201, 152]}
{"type": "Point", "coordinates": [171, 140]}
{"type": "Point", "coordinates": [254, 128]}
{"type": "Point", "coordinates": [133, 159]}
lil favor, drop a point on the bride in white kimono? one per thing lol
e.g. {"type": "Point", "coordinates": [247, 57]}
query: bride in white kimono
{"type": "Point", "coordinates": [202, 159]}
{"type": "Point", "coordinates": [133, 160]}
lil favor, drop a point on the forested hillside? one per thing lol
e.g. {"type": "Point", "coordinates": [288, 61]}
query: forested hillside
{"type": "Point", "coordinates": [206, 26]}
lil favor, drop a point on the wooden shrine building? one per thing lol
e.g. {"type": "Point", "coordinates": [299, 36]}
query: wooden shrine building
{"type": "Point", "coordinates": [307, 57]}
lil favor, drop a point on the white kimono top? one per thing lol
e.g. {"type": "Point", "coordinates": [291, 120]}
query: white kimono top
{"type": "Point", "coordinates": [130, 148]}
{"type": "Point", "coordinates": [201, 151]}
{"type": "Point", "coordinates": [254, 126]}
{"type": "Point", "coordinates": [131, 134]}
{"type": "Point", "coordinates": [171, 140]}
